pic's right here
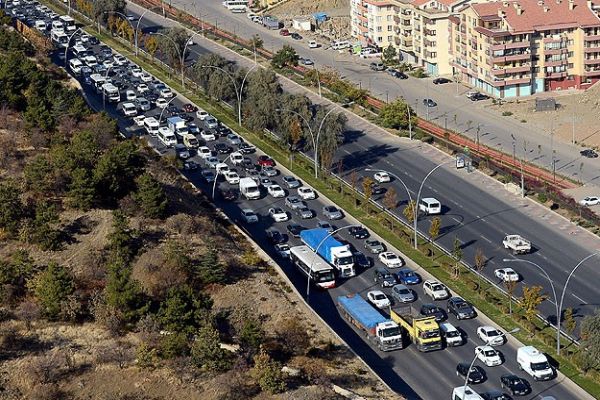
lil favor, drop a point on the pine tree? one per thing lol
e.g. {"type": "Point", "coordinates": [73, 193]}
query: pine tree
{"type": "Point", "coordinates": [82, 190]}
{"type": "Point", "coordinates": [209, 269]}
{"type": "Point", "coordinates": [267, 373]}
{"type": "Point", "coordinates": [120, 238]}
{"type": "Point", "coordinates": [11, 208]}
{"type": "Point", "coordinates": [121, 291]}
{"type": "Point", "coordinates": [206, 350]}
{"type": "Point", "coordinates": [150, 196]}
{"type": "Point", "coordinates": [51, 287]}
{"type": "Point", "coordinates": [183, 310]}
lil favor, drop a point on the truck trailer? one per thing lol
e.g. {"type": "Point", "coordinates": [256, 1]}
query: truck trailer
{"type": "Point", "coordinates": [423, 331]}
{"type": "Point", "coordinates": [386, 334]}
{"type": "Point", "coordinates": [334, 252]}
{"type": "Point", "coordinates": [177, 125]}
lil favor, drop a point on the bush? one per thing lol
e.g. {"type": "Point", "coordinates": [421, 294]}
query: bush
{"type": "Point", "coordinates": [267, 374]}
{"type": "Point", "coordinates": [207, 352]}
{"type": "Point", "coordinates": [542, 197]}
{"type": "Point", "coordinates": [174, 345]}
{"type": "Point", "coordinates": [427, 139]}
{"type": "Point", "coordinates": [507, 113]}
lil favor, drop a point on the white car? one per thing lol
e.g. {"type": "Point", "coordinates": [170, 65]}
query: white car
{"type": "Point", "coordinates": [236, 158]}
{"type": "Point", "coordinates": [130, 95]}
{"type": "Point", "coordinates": [283, 250]}
{"type": "Point", "coordinates": [382, 177]}
{"type": "Point", "coordinates": [136, 72]}
{"type": "Point", "coordinates": [146, 77]}
{"type": "Point", "coordinates": [142, 88]}
{"type": "Point", "coordinates": [201, 115]}
{"type": "Point", "coordinates": [161, 103]}
{"type": "Point", "coordinates": [129, 109]}
{"type": "Point", "coordinates": [166, 92]}
{"type": "Point", "coordinates": [490, 335]}
{"type": "Point", "coordinates": [435, 290]}
{"type": "Point", "coordinates": [390, 259]}
{"type": "Point", "coordinates": [378, 299]}
{"type": "Point", "coordinates": [488, 355]}
{"type": "Point", "coordinates": [251, 15]}
{"type": "Point", "coordinates": [232, 177]}
{"type": "Point", "coordinates": [306, 193]}
{"type": "Point", "coordinates": [207, 136]}
{"type": "Point", "coordinates": [507, 274]}
{"type": "Point", "coordinates": [312, 44]}
{"type": "Point", "coordinates": [590, 201]}
{"type": "Point", "coordinates": [204, 152]}
{"type": "Point", "coordinates": [278, 214]}
{"type": "Point", "coordinates": [139, 120]}
{"type": "Point", "coordinates": [222, 168]}
{"type": "Point", "coordinates": [276, 191]}
{"type": "Point", "coordinates": [249, 216]}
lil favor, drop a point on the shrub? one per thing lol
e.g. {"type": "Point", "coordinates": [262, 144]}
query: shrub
{"type": "Point", "coordinates": [507, 113]}
{"type": "Point", "coordinates": [174, 345]}
{"type": "Point", "coordinates": [267, 373]}
{"type": "Point", "coordinates": [207, 352]}
{"type": "Point", "coordinates": [542, 197]}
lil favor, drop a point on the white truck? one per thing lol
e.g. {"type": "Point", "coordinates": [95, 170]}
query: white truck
{"type": "Point", "coordinates": [535, 363]}
{"type": "Point", "coordinates": [517, 244]}
{"type": "Point", "coordinates": [249, 188]}
{"type": "Point", "coordinates": [177, 125]}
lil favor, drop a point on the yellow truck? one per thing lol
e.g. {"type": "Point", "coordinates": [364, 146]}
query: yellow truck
{"type": "Point", "coordinates": [423, 331]}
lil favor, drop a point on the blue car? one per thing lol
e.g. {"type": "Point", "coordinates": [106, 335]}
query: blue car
{"type": "Point", "coordinates": [407, 276]}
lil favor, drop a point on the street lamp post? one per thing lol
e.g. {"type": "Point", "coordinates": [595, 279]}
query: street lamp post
{"type": "Point", "coordinates": [217, 177]}
{"type": "Point", "coordinates": [182, 55]}
{"type": "Point", "coordinates": [238, 91]}
{"type": "Point", "coordinates": [104, 91]}
{"type": "Point", "coordinates": [315, 251]}
{"type": "Point", "coordinates": [475, 359]}
{"type": "Point", "coordinates": [166, 106]}
{"type": "Point", "coordinates": [67, 45]}
{"type": "Point", "coordinates": [396, 177]}
{"type": "Point", "coordinates": [559, 304]}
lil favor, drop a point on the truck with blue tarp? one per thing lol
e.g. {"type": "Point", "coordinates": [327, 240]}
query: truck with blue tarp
{"type": "Point", "coordinates": [334, 252]}
{"type": "Point", "coordinates": [384, 332]}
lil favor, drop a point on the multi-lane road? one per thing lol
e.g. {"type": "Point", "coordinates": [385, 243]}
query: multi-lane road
{"type": "Point", "coordinates": [431, 375]}
{"type": "Point", "coordinates": [476, 210]}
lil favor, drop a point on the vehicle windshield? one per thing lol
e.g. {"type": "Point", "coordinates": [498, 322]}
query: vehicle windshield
{"type": "Point", "coordinates": [539, 366]}
{"type": "Point", "coordinates": [490, 353]}
{"type": "Point", "coordinates": [409, 274]}
{"type": "Point", "coordinates": [438, 288]}
{"type": "Point", "coordinates": [380, 297]}
{"type": "Point", "coordinates": [430, 334]}
{"type": "Point", "coordinates": [452, 334]}
{"type": "Point", "coordinates": [403, 291]}
{"type": "Point", "coordinates": [349, 260]}
{"type": "Point", "coordinates": [389, 332]}
{"type": "Point", "coordinates": [326, 276]}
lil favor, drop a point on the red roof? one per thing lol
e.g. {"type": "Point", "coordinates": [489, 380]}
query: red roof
{"type": "Point", "coordinates": [540, 15]}
{"type": "Point", "coordinates": [447, 3]}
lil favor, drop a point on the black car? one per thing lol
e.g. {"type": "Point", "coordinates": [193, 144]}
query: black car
{"type": "Point", "coordinates": [460, 308]}
{"type": "Point", "coordinates": [247, 164]}
{"type": "Point", "coordinates": [172, 110]}
{"type": "Point", "coordinates": [429, 103]}
{"type": "Point", "coordinates": [152, 97]}
{"type": "Point", "coordinates": [361, 260]}
{"type": "Point", "coordinates": [358, 232]}
{"type": "Point", "coordinates": [295, 229]}
{"type": "Point", "coordinates": [222, 148]}
{"type": "Point", "coordinates": [431, 310]}
{"type": "Point", "coordinates": [245, 148]}
{"type": "Point", "coordinates": [377, 190]}
{"type": "Point", "coordinates": [296, 36]}
{"type": "Point", "coordinates": [228, 194]}
{"type": "Point", "coordinates": [441, 81]}
{"type": "Point", "coordinates": [186, 117]}
{"type": "Point", "coordinates": [222, 130]}
{"type": "Point", "coordinates": [275, 236]}
{"type": "Point", "coordinates": [476, 375]}
{"type": "Point", "coordinates": [517, 385]}
{"type": "Point", "coordinates": [495, 395]}
{"type": "Point", "coordinates": [396, 74]}
{"type": "Point", "coordinates": [384, 277]}
{"type": "Point", "coordinates": [589, 153]}
{"type": "Point", "coordinates": [476, 96]}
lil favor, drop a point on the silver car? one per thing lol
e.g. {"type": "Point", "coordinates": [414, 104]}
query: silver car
{"type": "Point", "coordinates": [304, 212]}
{"type": "Point", "coordinates": [291, 182]}
{"type": "Point", "coordinates": [269, 171]}
{"type": "Point", "coordinates": [332, 212]}
{"type": "Point", "coordinates": [294, 202]}
{"type": "Point", "coordinates": [402, 294]}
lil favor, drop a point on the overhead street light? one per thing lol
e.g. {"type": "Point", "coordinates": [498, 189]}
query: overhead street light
{"type": "Point", "coordinates": [163, 110]}
{"type": "Point", "coordinates": [475, 358]}
{"type": "Point", "coordinates": [68, 43]}
{"type": "Point", "coordinates": [181, 51]}
{"type": "Point", "coordinates": [559, 304]}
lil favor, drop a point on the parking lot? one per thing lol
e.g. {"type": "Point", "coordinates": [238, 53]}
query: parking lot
{"type": "Point", "coordinates": [285, 206]}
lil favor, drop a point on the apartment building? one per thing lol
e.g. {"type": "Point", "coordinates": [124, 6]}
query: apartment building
{"type": "Point", "coordinates": [520, 47]}
{"type": "Point", "coordinates": [417, 28]}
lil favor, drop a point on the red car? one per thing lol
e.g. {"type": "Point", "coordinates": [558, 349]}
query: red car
{"type": "Point", "coordinates": [266, 161]}
{"type": "Point", "coordinates": [190, 108]}
{"type": "Point", "coordinates": [284, 32]}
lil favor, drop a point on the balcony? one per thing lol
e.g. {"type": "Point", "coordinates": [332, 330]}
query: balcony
{"type": "Point", "coordinates": [362, 18]}
{"type": "Point", "coordinates": [363, 28]}
{"type": "Point", "coordinates": [556, 75]}
{"type": "Point", "coordinates": [509, 81]}
{"type": "Point", "coordinates": [562, 50]}
{"type": "Point", "coordinates": [510, 45]}
{"type": "Point", "coordinates": [592, 49]}
{"type": "Point", "coordinates": [592, 72]}
{"type": "Point", "coordinates": [556, 63]}
{"type": "Point", "coordinates": [510, 70]}
{"type": "Point", "coordinates": [591, 37]}
{"type": "Point", "coordinates": [591, 61]}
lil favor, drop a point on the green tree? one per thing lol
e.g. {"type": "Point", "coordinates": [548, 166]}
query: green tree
{"type": "Point", "coordinates": [150, 196]}
{"type": "Point", "coordinates": [390, 55]}
{"type": "Point", "coordinates": [457, 254]}
{"type": "Point", "coordinates": [39, 176]}
{"type": "Point", "coordinates": [174, 345]}
{"type": "Point", "coordinates": [267, 373]}
{"type": "Point", "coordinates": [532, 298]}
{"type": "Point", "coordinates": [122, 292]}
{"type": "Point", "coordinates": [394, 115]}
{"type": "Point", "coordinates": [409, 211]}
{"type": "Point", "coordinates": [261, 100]}
{"type": "Point", "coordinates": [480, 263]}
{"type": "Point", "coordinates": [569, 322]}
{"type": "Point", "coordinates": [367, 186]}
{"type": "Point", "coordinates": [120, 239]}
{"type": "Point", "coordinates": [51, 287]}
{"type": "Point", "coordinates": [11, 208]}
{"type": "Point", "coordinates": [590, 341]}
{"type": "Point", "coordinates": [150, 44]}
{"type": "Point", "coordinates": [171, 43]}
{"type": "Point", "coordinates": [37, 114]}
{"type": "Point", "coordinates": [82, 189]}
{"type": "Point", "coordinates": [44, 233]}
{"type": "Point", "coordinates": [256, 41]}
{"type": "Point", "coordinates": [184, 309]}
{"type": "Point", "coordinates": [434, 228]}
{"type": "Point", "coordinates": [251, 333]}
{"type": "Point", "coordinates": [206, 350]}
{"type": "Point", "coordinates": [286, 57]}
{"type": "Point", "coordinates": [209, 269]}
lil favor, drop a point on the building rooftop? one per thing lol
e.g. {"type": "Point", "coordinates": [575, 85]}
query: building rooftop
{"type": "Point", "coordinates": [537, 15]}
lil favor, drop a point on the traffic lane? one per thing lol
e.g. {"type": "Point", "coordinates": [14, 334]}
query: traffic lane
{"type": "Point", "coordinates": [485, 212]}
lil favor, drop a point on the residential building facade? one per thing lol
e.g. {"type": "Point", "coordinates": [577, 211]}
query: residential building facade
{"type": "Point", "coordinates": [516, 48]}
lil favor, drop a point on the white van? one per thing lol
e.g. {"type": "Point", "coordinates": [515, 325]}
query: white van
{"type": "Point", "coordinates": [79, 51]}
{"type": "Point", "coordinates": [340, 44]}
{"type": "Point", "coordinates": [151, 125]}
{"type": "Point", "coordinates": [75, 64]}
{"type": "Point", "coordinates": [430, 206]}
{"type": "Point", "coordinates": [450, 334]}
{"type": "Point", "coordinates": [535, 363]}
{"type": "Point", "coordinates": [129, 109]}
{"type": "Point", "coordinates": [166, 136]}
{"type": "Point", "coordinates": [41, 25]}
{"type": "Point", "coordinates": [462, 393]}
{"type": "Point", "coordinates": [58, 26]}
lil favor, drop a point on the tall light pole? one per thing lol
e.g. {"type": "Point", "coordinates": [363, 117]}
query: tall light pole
{"type": "Point", "coordinates": [316, 250]}
{"type": "Point", "coordinates": [416, 217]}
{"type": "Point", "coordinates": [163, 110]}
{"type": "Point", "coordinates": [217, 177]}
{"type": "Point", "coordinates": [559, 304]}
{"type": "Point", "coordinates": [67, 45]}
{"type": "Point", "coordinates": [314, 138]}
{"type": "Point", "coordinates": [397, 178]}
{"type": "Point", "coordinates": [475, 359]}
{"type": "Point", "coordinates": [181, 51]}
{"type": "Point", "coordinates": [104, 91]}
{"type": "Point", "coordinates": [239, 91]}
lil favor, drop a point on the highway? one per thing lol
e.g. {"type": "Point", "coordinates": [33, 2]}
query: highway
{"type": "Point", "coordinates": [476, 209]}
{"type": "Point", "coordinates": [427, 376]}
{"type": "Point", "coordinates": [505, 134]}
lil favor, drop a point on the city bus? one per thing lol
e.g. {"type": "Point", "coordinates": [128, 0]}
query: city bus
{"type": "Point", "coordinates": [313, 266]}
{"type": "Point", "coordinates": [236, 5]}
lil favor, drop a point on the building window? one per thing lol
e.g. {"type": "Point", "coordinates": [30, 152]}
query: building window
{"type": "Point", "coordinates": [389, 38]}
{"type": "Point", "coordinates": [379, 29]}
{"type": "Point", "coordinates": [570, 65]}
{"type": "Point", "coordinates": [379, 39]}
{"type": "Point", "coordinates": [378, 18]}
{"type": "Point", "coordinates": [390, 28]}
{"type": "Point", "coordinates": [389, 18]}
{"type": "Point", "coordinates": [571, 54]}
